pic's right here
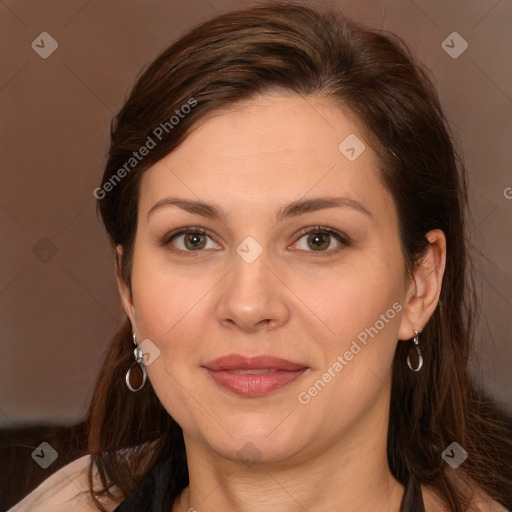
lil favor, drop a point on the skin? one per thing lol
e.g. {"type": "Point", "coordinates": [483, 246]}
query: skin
{"type": "Point", "coordinates": [293, 302]}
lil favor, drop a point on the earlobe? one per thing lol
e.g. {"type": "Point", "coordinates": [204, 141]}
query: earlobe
{"type": "Point", "coordinates": [124, 292]}
{"type": "Point", "coordinates": [425, 287]}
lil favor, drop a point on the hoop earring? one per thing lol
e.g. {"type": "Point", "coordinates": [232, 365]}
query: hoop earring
{"type": "Point", "coordinates": [416, 342]}
{"type": "Point", "coordinates": [139, 360]}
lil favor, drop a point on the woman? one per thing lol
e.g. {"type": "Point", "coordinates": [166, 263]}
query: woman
{"type": "Point", "coordinates": [287, 211]}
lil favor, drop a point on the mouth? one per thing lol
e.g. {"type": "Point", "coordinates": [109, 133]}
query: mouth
{"type": "Point", "coordinates": [254, 371]}
{"type": "Point", "coordinates": [253, 376]}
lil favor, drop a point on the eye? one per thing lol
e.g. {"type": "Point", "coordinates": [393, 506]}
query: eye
{"type": "Point", "coordinates": [319, 239]}
{"type": "Point", "coordinates": [192, 239]}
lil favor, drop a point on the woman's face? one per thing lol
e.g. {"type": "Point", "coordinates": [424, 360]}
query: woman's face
{"type": "Point", "coordinates": [253, 282]}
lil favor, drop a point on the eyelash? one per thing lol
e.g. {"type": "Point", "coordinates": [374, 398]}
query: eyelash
{"type": "Point", "coordinates": [339, 236]}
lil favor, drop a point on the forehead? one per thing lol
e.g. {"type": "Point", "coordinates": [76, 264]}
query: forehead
{"type": "Point", "coordinates": [272, 149]}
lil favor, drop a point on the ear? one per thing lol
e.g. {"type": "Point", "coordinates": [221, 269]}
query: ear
{"type": "Point", "coordinates": [424, 289]}
{"type": "Point", "coordinates": [124, 291]}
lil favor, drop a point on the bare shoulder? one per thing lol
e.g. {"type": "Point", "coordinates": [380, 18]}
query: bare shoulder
{"type": "Point", "coordinates": [484, 503]}
{"type": "Point", "coordinates": [480, 502]}
{"type": "Point", "coordinates": [64, 490]}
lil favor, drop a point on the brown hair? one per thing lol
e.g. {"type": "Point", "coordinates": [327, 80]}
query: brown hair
{"type": "Point", "coordinates": [372, 75]}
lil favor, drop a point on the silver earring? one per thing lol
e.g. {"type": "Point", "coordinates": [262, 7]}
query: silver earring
{"type": "Point", "coordinates": [137, 355]}
{"type": "Point", "coordinates": [416, 342]}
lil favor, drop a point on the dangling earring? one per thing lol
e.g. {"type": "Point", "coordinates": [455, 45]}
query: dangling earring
{"type": "Point", "coordinates": [137, 354]}
{"type": "Point", "coordinates": [416, 342]}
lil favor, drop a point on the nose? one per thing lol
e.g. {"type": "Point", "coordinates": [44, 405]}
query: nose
{"type": "Point", "coordinates": [253, 296]}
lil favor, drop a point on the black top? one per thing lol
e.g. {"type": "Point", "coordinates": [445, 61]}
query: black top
{"type": "Point", "coordinates": [151, 495]}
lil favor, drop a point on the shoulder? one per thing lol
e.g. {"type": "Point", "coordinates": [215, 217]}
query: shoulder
{"type": "Point", "coordinates": [484, 503]}
{"type": "Point", "coordinates": [480, 502]}
{"type": "Point", "coordinates": [64, 490]}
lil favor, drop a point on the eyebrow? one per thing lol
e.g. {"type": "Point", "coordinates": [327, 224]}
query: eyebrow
{"type": "Point", "coordinates": [293, 209]}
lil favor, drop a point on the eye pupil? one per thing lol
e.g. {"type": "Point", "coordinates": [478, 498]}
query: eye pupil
{"type": "Point", "coordinates": [320, 240]}
{"type": "Point", "coordinates": [195, 240]}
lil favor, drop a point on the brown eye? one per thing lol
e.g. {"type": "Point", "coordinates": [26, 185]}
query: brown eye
{"type": "Point", "coordinates": [194, 241]}
{"type": "Point", "coordinates": [189, 240]}
{"type": "Point", "coordinates": [320, 240]}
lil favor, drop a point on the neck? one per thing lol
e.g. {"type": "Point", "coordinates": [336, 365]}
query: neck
{"type": "Point", "coordinates": [350, 474]}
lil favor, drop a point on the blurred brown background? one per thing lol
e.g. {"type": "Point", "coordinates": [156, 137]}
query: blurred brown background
{"type": "Point", "coordinates": [58, 300]}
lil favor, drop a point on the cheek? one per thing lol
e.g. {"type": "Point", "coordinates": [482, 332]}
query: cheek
{"type": "Point", "coordinates": [362, 315]}
{"type": "Point", "coordinates": [352, 298]}
{"type": "Point", "coordinates": [363, 309]}
{"type": "Point", "coordinates": [165, 301]}
{"type": "Point", "coordinates": [170, 311]}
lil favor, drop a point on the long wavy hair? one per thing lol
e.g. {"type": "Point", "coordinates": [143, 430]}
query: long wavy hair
{"type": "Point", "coordinates": [374, 77]}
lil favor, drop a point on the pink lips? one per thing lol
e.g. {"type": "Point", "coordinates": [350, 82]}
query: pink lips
{"type": "Point", "coordinates": [270, 373]}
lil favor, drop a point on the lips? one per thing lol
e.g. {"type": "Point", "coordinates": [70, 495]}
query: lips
{"type": "Point", "coordinates": [253, 376]}
{"type": "Point", "coordinates": [239, 362]}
